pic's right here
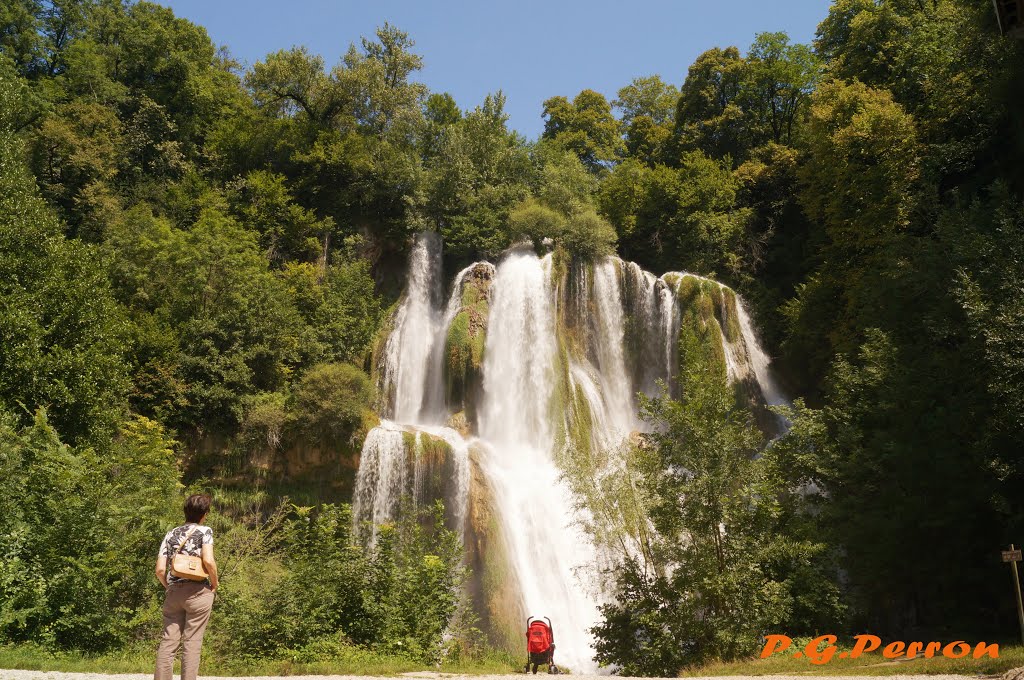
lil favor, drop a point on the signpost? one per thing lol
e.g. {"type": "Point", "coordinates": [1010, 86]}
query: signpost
{"type": "Point", "coordinates": [1013, 557]}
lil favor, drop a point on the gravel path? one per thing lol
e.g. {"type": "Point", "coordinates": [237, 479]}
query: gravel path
{"type": "Point", "coordinates": [54, 675]}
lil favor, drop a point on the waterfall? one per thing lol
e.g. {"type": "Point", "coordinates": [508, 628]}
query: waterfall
{"type": "Point", "coordinates": [409, 347]}
{"type": "Point", "coordinates": [534, 505]}
{"type": "Point", "coordinates": [382, 478]}
{"type": "Point", "coordinates": [617, 388]}
{"type": "Point", "coordinates": [412, 376]}
{"type": "Point", "coordinates": [540, 358]}
{"type": "Point", "coordinates": [434, 408]}
{"type": "Point", "coordinates": [759, 361]}
{"type": "Point", "coordinates": [519, 355]}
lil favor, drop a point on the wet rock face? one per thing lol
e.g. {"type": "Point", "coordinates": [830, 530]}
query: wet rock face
{"type": "Point", "coordinates": [458, 422]}
{"type": "Point", "coordinates": [464, 344]}
{"type": "Point", "coordinates": [493, 585]}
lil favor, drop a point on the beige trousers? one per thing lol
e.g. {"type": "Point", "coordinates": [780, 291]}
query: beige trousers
{"type": "Point", "coordinates": [187, 608]}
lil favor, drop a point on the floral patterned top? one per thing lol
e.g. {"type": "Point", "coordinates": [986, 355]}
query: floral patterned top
{"type": "Point", "coordinates": [202, 535]}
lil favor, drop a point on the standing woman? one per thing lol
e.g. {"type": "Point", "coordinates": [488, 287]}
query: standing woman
{"type": "Point", "coordinates": [188, 602]}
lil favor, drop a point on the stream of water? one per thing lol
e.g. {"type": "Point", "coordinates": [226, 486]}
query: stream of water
{"type": "Point", "coordinates": [618, 306]}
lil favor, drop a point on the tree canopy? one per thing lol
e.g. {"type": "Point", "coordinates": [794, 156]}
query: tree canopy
{"type": "Point", "coordinates": [196, 260]}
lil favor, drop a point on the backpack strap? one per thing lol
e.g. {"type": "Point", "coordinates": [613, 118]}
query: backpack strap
{"type": "Point", "coordinates": [185, 540]}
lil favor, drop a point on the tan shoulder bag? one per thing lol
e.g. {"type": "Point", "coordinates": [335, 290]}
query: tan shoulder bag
{"type": "Point", "coordinates": [186, 566]}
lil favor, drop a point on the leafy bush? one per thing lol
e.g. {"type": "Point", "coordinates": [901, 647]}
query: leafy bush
{"type": "Point", "coordinates": [583, 233]}
{"type": "Point", "coordinates": [315, 593]}
{"type": "Point", "coordinates": [330, 402]}
{"type": "Point", "coordinates": [266, 416]}
{"type": "Point", "coordinates": [535, 222]}
{"type": "Point", "coordinates": [79, 533]}
{"type": "Point", "coordinates": [589, 235]}
{"type": "Point", "coordinates": [341, 306]}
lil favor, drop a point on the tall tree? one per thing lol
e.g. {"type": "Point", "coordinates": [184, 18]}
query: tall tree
{"type": "Point", "coordinates": [585, 126]}
{"type": "Point", "coordinates": [648, 107]}
{"type": "Point", "coordinates": [708, 115]}
{"type": "Point", "coordinates": [729, 556]}
{"type": "Point", "coordinates": [778, 84]}
{"type": "Point", "coordinates": [63, 333]}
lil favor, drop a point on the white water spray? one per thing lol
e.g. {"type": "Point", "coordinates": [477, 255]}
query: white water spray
{"type": "Point", "coordinates": [410, 345]}
{"type": "Point", "coordinates": [627, 324]}
{"type": "Point", "coordinates": [759, 362]}
{"type": "Point", "coordinates": [535, 507]}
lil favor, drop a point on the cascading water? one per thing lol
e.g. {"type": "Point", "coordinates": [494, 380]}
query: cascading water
{"type": "Point", "coordinates": [559, 349]}
{"type": "Point", "coordinates": [408, 350]}
{"type": "Point", "coordinates": [382, 479]}
{"type": "Point", "coordinates": [759, 361]}
{"type": "Point", "coordinates": [617, 387]}
{"type": "Point", "coordinates": [534, 504]}
{"type": "Point", "coordinates": [411, 377]}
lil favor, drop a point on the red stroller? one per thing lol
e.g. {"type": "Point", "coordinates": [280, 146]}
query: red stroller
{"type": "Point", "coordinates": [540, 645]}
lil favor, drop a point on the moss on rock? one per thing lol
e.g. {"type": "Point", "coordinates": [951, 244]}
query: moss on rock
{"type": "Point", "coordinates": [698, 311]}
{"type": "Point", "coordinates": [730, 317]}
{"type": "Point", "coordinates": [435, 475]}
{"type": "Point", "coordinates": [465, 343]}
{"type": "Point", "coordinates": [458, 422]}
{"type": "Point", "coordinates": [376, 357]}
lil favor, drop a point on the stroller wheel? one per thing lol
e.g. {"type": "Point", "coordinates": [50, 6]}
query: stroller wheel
{"type": "Point", "coordinates": [553, 669]}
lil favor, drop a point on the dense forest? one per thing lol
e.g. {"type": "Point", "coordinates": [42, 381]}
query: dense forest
{"type": "Point", "coordinates": [196, 260]}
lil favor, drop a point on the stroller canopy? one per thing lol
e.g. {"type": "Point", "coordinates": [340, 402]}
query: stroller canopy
{"type": "Point", "coordinates": [538, 637]}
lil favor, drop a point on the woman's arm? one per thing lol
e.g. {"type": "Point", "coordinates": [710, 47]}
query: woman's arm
{"type": "Point", "coordinates": [210, 565]}
{"type": "Point", "coordinates": [161, 570]}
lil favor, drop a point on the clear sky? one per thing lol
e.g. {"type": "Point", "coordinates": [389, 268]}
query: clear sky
{"type": "Point", "coordinates": [530, 49]}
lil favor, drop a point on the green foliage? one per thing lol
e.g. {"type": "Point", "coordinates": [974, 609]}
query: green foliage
{"type": "Point", "coordinates": [477, 172]}
{"type": "Point", "coordinates": [77, 535]}
{"type": "Point", "coordinates": [863, 164]}
{"type": "Point", "coordinates": [651, 97]}
{"type": "Point", "coordinates": [589, 236]}
{"type": "Point", "coordinates": [63, 334]}
{"type": "Point", "coordinates": [287, 231]}
{"type": "Point", "coordinates": [584, 126]}
{"type": "Point", "coordinates": [730, 104]}
{"type": "Point", "coordinates": [859, 451]}
{"type": "Point", "coordinates": [676, 218]}
{"type": "Point", "coordinates": [780, 78]}
{"type": "Point", "coordinates": [349, 133]}
{"type": "Point", "coordinates": [725, 564]}
{"type": "Point", "coordinates": [535, 222]}
{"type": "Point", "coordinates": [776, 240]}
{"type": "Point", "coordinates": [322, 591]}
{"type": "Point", "coordinates": [648, 107]}
{"type": "Point", "coordinates": [235, 323]}
{"type": "Point", "coordinates": [563, 210]}
{"type": "Point", "coordinates": [340, 305]}
{"type": "Point", "coordinates": [330, 401]}
{"type": "Point", "coordinates": [708, 115]}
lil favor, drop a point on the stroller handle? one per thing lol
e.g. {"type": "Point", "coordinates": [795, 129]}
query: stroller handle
{"type": "Point", "coordinates": [550, 625]}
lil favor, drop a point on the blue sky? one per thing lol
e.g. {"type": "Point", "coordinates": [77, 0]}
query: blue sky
{"type": "Point", "coordinates": [530, 49]}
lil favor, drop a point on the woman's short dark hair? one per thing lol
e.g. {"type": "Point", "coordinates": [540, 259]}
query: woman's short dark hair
{"type": "Point", "coordinates": [196, 506]}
